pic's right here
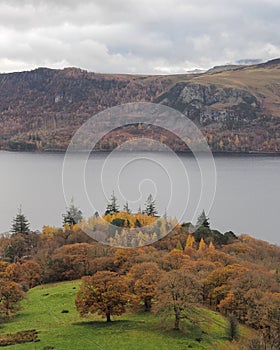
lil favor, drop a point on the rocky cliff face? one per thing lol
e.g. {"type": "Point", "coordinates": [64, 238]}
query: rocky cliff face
{"type": "Point", "coordinates": [210, 104]}
{"type": "Point", "coordinates": [238, 110]}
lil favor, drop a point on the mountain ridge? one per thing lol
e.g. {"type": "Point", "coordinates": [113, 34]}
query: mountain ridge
{"type": "Point", "coordinates": [238, 109]}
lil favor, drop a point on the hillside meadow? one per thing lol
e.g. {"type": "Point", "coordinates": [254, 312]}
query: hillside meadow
{"type": "Point", "coordinates": [51, 311]}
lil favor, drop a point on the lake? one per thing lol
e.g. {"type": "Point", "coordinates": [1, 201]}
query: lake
{"type": "Point", "coordinates": [247, 196]}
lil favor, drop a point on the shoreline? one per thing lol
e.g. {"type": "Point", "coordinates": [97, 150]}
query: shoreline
{"type": "Point", "coordinates": [181, 153]}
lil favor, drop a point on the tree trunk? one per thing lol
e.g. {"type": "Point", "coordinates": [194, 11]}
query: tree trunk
{"type": "Point", "coordinates": [177, 322]}
{"type": "Point", "coordinates": [147, 303]}
{"type": "Point", "coordinates": [108, 317]}
{"type": "Point", "coordinates": [177, 317]}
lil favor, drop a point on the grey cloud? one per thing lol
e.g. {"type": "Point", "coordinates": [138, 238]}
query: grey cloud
{"type": "Point", "coordinates": [151, 36]}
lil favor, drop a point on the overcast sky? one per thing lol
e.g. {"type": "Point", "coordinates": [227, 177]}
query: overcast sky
{"type": "Point", "coordinates": [136, 36]}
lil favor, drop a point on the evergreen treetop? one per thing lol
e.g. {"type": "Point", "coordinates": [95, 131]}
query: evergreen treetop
{"type": "Point", "coordinates": [150, 206]}
{"type": "Point", "coordinates": [203, 220]}
{"type": "Point", "coordinates": [126, 208]}
{"type": "Point", "coordinates": [73, 215]}
{"type": "Point", "coordinates": [112, 206]}
{"type": "Point", "coordinates": [20, 223]}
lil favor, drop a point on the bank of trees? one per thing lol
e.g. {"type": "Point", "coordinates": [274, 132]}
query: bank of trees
{"type": "Point", "coordinates": [237, 276]}
{"type": "Point", "coordinates": [177, 282]}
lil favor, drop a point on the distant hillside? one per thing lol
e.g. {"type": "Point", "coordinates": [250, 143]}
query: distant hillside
{"type": "Point", "coordinates": [237, 108]}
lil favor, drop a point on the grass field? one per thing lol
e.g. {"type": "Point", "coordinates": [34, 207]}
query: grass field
{"type": "Point", "coordinates": [42, 310]}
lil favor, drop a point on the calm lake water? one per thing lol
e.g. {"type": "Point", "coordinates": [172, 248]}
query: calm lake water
{"type": "Point", "coordinates": [247, 198]}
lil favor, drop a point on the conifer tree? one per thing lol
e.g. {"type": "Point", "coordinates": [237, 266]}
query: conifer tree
{"type": "Point", "coordinates": [150, 206]}
{"type": "Point", "coordinates": [126, 208]}
{"type": "Point", "coordinates": [20, 223]}
{"type": "Point", "coordinates": [203, 220]}
{"type": "Point", "coordinates": [112, 206]}
{"type": "Point", "coordinates": [179, 246]}
{"type": "Point", "coordinates": [190, 242]}
{"type": "Point", "coordinates": [202, 245]}
{"type": "Point", "coordinates": [73, 215]}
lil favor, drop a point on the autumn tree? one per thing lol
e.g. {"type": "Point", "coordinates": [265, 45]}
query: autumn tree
{"type": "Point", "coordinates": [27, 273]}
{"type": "Point", "coordinates": [71, 261]}
{"type": "Point", "coordinates": [201, 246]}
{"type": "Point", "coordinates": [179, 246]}
{"type": "Point", "coordinates": [201, 268]}
{"type": "Point", "coordinates": [105, 293]}
{"type": "Point", "coordinates": [10, 294]}
{"type": "Point", "coordinates": [143, 279]}
{"type": "Point", "coordinates": [218, 283]}
{"type": "Point", "coordinates": [4, 247]}
{"type": "Point", "coordinates": [178, 292]}
{"type": "Point", "coordinates": [174, 260]}
{"type": "Point", "coordinates": [189, 243]}
{"type": "Point", "coordinates": [18, 246]}
{"type": "Point", "coordinates": [229, 305]}
{"type": "Point", "coordinates": [21, 245]}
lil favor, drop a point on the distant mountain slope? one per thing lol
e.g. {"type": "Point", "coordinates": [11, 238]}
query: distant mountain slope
{"type": "Point", "coordinates": [238, 110]}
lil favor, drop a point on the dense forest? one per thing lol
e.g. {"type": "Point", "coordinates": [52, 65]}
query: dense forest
{"type": "Point", "coordinates": [192, 266]}
{"type": "Point", "coordinates": [236, 109]}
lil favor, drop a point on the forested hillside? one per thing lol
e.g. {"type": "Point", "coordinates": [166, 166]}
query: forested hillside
{"type": "Point", "coordinates": [237, 109]}
{"type": "Point", "coordinates": [172, 278]}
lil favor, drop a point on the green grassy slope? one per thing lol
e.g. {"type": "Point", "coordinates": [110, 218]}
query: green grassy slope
{"type": "Point", "coordinates": [42, 310]}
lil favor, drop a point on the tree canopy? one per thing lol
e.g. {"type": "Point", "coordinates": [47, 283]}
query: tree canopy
{"type": "Point", "coordinates": [105, 293]}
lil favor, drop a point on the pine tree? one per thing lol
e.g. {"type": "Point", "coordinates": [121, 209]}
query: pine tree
{"type": "Point", "coordinates": [112, 206]}
{"type": "Point", "coordinates": [20, 223]}
{"type": "Point", "coordinates": [126, 208]}
{"type": "Point", "coordinates": [73, 215]}
{"type": "Point", "coordinates": [150, 206]}
{"type": "Point", "coordinates": [211, 245]}
{"type": "Point", "coordinates": [203, 220]}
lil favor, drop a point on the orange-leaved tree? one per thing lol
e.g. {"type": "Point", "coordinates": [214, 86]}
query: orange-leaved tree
{"type": "Point", "coordinates": [178, 292]}
{"type": "Point", "coordinates": [143, 279]}
{"type": "Point", "coordinates": [10, 294]}
{"type": "Point", "coordinates": [27, 273]}
{"type": "Point", "coordinates": [105, 293]}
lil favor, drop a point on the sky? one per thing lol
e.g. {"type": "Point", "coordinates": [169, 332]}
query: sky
{"type": "Point", "coordinates": [137, 36]}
